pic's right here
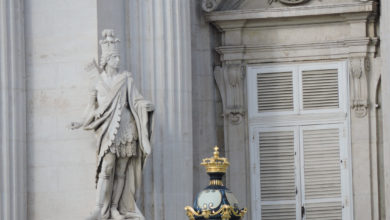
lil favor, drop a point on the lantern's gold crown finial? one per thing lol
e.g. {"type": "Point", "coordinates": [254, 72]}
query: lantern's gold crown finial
{"type": "Point", "coordinates": [215, 164]}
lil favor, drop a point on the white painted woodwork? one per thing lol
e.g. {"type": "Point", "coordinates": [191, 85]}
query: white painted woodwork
{"type": "Point", "coordinates": [275, 92]}
{"type": "Point", "coordinates": [296, 90]}
{"type": "Point", "coordinates": [320, 89]}
{"type": "Point", "coordinates": [302, 163]}
{"type": "Point", "coordinates": [277, 165]}
{"type": "Point", "coordinates": [321, 172]}
{"type": "Point", "coordinates": [277, 179]}
{"type": "Point", "coordinates": [321, 161]}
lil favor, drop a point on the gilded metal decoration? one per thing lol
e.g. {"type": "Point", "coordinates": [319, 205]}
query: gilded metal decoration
{"type": "Point", "coordinates": [215, 201]}
{"type": "Point", "coordinates": [226, 212]}
{"type": "Point", "coordinates": [215, 164]}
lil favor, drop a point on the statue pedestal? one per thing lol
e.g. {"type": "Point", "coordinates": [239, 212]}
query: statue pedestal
{"type": "Point", "coordinates": [131, 218]}
{"type": "Point", "coordinates": [135, 216]}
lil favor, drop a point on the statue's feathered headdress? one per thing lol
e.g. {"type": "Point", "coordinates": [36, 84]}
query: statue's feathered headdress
{"type": "Point", "coordinates": [110, 46]}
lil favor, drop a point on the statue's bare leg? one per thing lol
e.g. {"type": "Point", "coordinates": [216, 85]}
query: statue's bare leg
{"type": "Point", "coordinates": [119, 183]}
{"type": "Point", "coordinates": [103, 186]}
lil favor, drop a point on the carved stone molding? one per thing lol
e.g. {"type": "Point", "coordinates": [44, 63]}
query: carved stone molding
{"type": "Point", "coordinates": [359, 67]}
{"type": "Point", "coordinates": [235, 115]}
{"type": "Point", "coordinates": [289, 2]}
{"type": "Point", "coordinates": [210, 5]}
{"type": "Point", "coordinates": [360, 9]}
{"type": "Point", "coordinates": [229, 80]}
{"type": "Point", "coordinates": [293, 2]}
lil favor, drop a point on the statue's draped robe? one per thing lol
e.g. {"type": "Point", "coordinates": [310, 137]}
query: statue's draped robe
{"type": "Point", "coordinates": [105, 121]}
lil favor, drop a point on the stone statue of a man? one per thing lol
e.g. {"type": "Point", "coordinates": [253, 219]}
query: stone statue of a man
{"type": "Point", "coordinates": [121, 119]}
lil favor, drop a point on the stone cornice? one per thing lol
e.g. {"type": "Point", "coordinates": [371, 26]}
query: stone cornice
{"type": "Point", "coordinates": [305, 51]}
{"type": "Point", "coordinates": [364, 8]}
{"type": "Point", "coordinates": [263, 48]}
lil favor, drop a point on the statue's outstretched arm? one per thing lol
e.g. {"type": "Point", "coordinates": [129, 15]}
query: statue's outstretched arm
{"type": "Point", "coordinates": [88, 115]}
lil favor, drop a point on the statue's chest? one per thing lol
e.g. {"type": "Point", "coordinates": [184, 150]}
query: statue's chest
{"type": "Point", "coordinates": [108, 90]}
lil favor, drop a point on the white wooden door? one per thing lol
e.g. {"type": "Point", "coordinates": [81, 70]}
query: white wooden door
{"type": "Point", "coordinates": [298, 119]}
{"type": "Point", "coordinates": [277, 169]}
{"type": "Point", "coordinates": [322, 165]}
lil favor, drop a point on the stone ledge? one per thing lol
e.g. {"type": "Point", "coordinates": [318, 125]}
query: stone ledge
{"type": "Point", "coordinates": [289, 12]}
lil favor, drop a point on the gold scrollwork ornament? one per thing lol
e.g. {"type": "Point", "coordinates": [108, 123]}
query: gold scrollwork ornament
{"type": "Point", "coordinates": [225, 211]}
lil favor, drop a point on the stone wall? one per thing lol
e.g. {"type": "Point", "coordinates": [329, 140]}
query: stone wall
{"type": "Point", "coordinates": [385, 71]}
{"type": "Point", "coordinates": [61, 38]}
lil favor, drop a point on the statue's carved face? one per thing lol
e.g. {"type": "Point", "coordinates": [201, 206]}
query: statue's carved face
{"type": "Point", "coordinates": [113, 61]}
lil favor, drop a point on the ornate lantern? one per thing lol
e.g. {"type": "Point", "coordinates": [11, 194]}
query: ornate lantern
{"type": "Point", "coordinates": [215, 201]}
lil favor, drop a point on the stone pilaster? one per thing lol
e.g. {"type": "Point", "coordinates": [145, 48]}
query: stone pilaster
{"type": "Point", "coordinates": [230, 81]}
{"type": "Point", "coordinates": [160, 58]}
{"type": "Point", "coordinates": [13, 204]}
{"type": "Point", "coordinates": [385, 53]}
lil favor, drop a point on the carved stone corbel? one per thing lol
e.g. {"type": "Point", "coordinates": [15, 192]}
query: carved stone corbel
{"type": "Point", "coordinates": [359, 66]}
{"type": "Point", "coordinates": [229, 80]}
{"type": "Point", "coordinates": [210, 5]}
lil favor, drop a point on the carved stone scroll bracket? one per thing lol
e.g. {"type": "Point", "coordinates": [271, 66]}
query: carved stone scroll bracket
{"type": "Point", "coordinates": [359, 66]}
{"type": "Point", "coordinates": [229, 79]}
{"type": "Point", "coordinates": [235, 115]}
{"type": "Point", "coordinates": [211, 5]}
